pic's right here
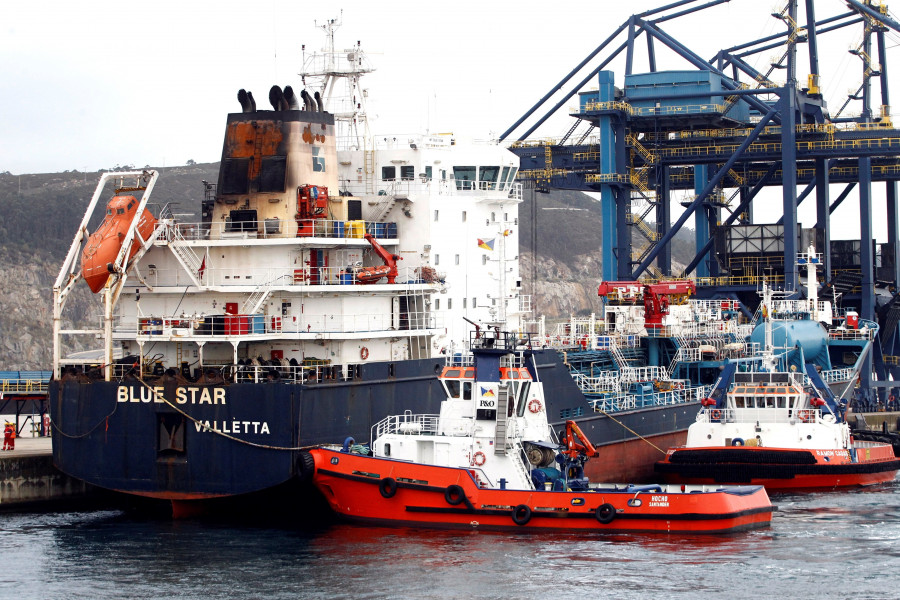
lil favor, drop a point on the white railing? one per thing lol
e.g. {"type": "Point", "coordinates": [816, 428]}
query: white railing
{"type": "Point", "coordinates": [276, 277]}
{"type": "Point", "coordinates": [187, 326]}
{"type": "Point", "coordinates": [408, 424]}
{"type": "Point", "coordinates": [635, 374]}
{"type": "Point", "coordinates": [412, 188]}
{"type": "Point", "coordinates": [278, 228]}
{"type": "Point", "coordinates": [838, 375]}
{"type": "Point", "coordinates": [626, 401]}
{"type": "Point", "coordinates": [759, 415]}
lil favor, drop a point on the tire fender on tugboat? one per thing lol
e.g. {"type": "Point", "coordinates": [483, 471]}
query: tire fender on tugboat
{"type": "Point", "coordinates": [521, 514]}
{"type": "Point", "coordinates": [306, 466]}
{"type": "Point", "coordinates": [387, 487]}
{"type": "Point", "coordinates": [737, 441]}
{"type": "Point", "coordinates": [454, 495]}
{"type": "Point", "coordinates": [605, 513]}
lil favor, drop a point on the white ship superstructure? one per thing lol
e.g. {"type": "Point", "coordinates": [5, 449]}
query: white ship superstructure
{"type": "Point", "coordinates": [318, 248]}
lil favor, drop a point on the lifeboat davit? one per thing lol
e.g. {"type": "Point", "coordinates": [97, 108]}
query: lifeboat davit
{"type": "Point", "coordinates": [104, 244]}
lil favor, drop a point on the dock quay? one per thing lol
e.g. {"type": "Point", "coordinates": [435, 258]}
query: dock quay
{"type": "Point", "coordinates": [29, 480]}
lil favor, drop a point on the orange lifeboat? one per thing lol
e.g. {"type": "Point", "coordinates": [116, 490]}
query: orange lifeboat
{"type": "Point", "coordinates": [104, 244]}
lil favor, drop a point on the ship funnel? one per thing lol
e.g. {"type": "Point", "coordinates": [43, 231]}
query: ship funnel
{"type": "Point", "coordinates": [244, 98]}
{"type": "Point", "coordinates": [252, 101]}
{"type": "Point", "coordinates": [307, 101]}
{"type": "Point", "coordinates": [276, 98]}
{"type": "Point", "coordinates": [321, 105]}
{"type": "Point", "coordinates": [292, 101]}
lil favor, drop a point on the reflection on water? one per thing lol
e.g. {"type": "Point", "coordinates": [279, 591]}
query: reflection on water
{"type": "Point", "coordinates": [822, 545]}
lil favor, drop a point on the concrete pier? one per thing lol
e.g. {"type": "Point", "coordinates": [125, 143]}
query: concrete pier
{"type": "Point", "coordinates": [28, 477]}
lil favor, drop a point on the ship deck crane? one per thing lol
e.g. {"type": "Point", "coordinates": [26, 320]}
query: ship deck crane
{"type": "Point", "coordinates": [388, 269]}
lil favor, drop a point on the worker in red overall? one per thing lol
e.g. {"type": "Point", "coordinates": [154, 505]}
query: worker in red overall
{"type": "Point", "coordinates": [9, 437]}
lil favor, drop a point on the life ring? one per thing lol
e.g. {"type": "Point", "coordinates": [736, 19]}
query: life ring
{"type": "Point", "coordinates": [454, 495]}
{"type": "Point", "coordinates": [737, 442]}
{"type": "Point", "coordinates": [388, 487]}
{"type": "Point", "coordinates": [605, 513]}
{"type": "Point", "coordinates": [478, 459]}
{"type": "Point", "coordinates": [535, 406]}
{"type": "Point", "coordinates": [521, 514]}
{"type": "Point", "coordinates": [715, 414]}
{"type": "Point", "coordinates": [364, 353]}
{"type": "Point", "coordinates": [806, 415]}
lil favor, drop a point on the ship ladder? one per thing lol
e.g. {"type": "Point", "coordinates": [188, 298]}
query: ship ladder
{"type": "Point", "coordinates": [369, 168]}
{"type": "Point", "coordinates": [500, 429]}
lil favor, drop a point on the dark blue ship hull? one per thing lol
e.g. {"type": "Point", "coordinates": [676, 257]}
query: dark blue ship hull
{"type": "Point", "coordinates": [185, 441]}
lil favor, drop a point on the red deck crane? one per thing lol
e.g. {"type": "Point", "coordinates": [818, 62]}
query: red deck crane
{"type": "Point", "coordinates": [656, 296]}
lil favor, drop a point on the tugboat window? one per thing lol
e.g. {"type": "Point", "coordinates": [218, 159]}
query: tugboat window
{"type": "Point", "coordinates": [467, 390]}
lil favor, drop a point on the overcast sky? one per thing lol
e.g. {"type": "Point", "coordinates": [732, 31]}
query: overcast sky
{"type": "Point", "coordinates": [91, 85]}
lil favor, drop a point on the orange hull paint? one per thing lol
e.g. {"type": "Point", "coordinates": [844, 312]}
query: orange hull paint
{"type": "Point", "coordinates": [104, 244]}
{"type": "Point", "coordinates": [744, 465]}
{"type": "Point", "coordinates": [402, 493]}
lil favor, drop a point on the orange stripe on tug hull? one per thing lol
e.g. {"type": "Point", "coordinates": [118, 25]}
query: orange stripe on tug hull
{"type": "Point", "coordinates": [400, 493]}
{"type": "Point", "coordinates": [780, 468]}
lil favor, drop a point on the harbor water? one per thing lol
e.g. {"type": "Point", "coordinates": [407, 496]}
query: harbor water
{"type": "Point", "coordinates": [820, 545]}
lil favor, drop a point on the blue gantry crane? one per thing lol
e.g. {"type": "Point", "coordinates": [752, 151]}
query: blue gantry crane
{"type": "Point", "coordinates": [725, 131]}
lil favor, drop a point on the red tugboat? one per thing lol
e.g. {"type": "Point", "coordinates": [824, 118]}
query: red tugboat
{"type": "Point", "coordinates": [772, 424]}
{"type": "Point", "coordinates": [489, 461]}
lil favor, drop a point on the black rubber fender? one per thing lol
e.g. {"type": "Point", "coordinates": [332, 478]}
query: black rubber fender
{"type": "Point", "coordinates": [605, 513]}
{"type": "Point", "coordinates": [737, 442]}
{"type": "Point", "coordinates": [388, 487]}
{"type": "Point", "coordinates": [306, 466]}
{"type": "Point", "coordinates": [454, 495]}
{"type": "Point", "coordinates": [521, 514]}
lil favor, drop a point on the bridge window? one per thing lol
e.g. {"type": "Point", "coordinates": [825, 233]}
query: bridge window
{"type": "Point", "coordinates": [489, 175]}
{"type": "Point", "coordinates": [428, 173]}
{"type": "Point", "coordinates": [389, 173]}
{"type": "Point", "coordinates": [467, 390]}
{"type": "Point", "coordinates": [408, 172]}
{"type": "Point", "coordinates": [465, 177]}
{"type": "Point", "coordinates": [452, 388]}
{"type": "Point", "coordinates": [503, 178]}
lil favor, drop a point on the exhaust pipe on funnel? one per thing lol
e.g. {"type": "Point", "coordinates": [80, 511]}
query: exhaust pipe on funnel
{"type": "Point", "coordinates": [276, 98]}
{"type": "Point", "coordinates": [320, 103]}
{"type": "Point", "coordinates": [291, 99]}
{"type": "Point", "coordinates": [307, 101]}
{"type": "Point", "coordinates": [245, 99]}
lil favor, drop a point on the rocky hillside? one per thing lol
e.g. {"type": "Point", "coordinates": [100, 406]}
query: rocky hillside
{"type": "Point", "coordinates": [41, 213]}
